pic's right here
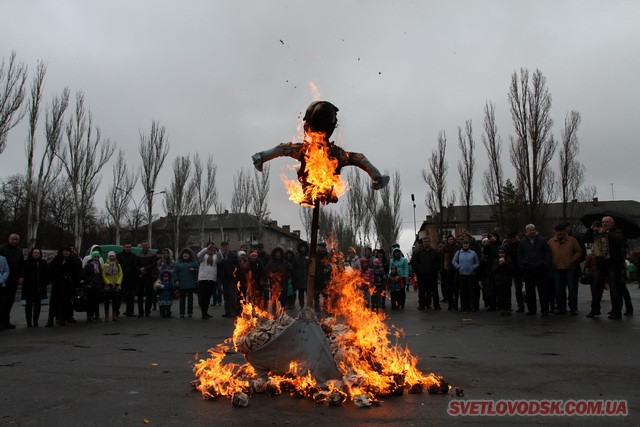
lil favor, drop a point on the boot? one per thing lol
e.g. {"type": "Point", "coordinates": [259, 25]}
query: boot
{"type": "Point", "coordinates": [36, 315]}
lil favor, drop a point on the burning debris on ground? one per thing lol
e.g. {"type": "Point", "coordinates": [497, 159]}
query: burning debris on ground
{"type": "Point", "coordinates": [370, 365]}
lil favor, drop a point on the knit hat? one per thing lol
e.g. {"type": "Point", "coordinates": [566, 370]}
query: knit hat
{"type": "Point", "coordinates": [242, 253]}
{"type": "Point", "coordinates": [503, 249]}
{"type": "Point", "coordinates": [95, 254]}
{"type": "Point", "coordinates": [111, 253]}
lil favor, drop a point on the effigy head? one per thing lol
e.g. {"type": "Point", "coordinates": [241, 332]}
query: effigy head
{"type": "Point", "coordinates": [321, 116]}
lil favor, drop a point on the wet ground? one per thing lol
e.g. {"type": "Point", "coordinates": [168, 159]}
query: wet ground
{"type": "Point", "coordinates": [137, 371]}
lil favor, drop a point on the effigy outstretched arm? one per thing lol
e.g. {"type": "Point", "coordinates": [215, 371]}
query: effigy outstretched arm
{"type": "Point", "coordinates": [287, 149]}
{"type": "Point", "coordinates": [359, 160]}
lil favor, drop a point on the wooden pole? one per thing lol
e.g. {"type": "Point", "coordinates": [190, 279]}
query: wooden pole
{"type": "Point", "coordinates": [311, 275]}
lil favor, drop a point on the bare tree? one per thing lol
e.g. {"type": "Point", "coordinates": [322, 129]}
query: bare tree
{"type": "Point", "coordinates": [119, 193]}
{"type": "Point", "coordinates": [13, 200]}
{"type": "Point", "coordinates": [385, 212]}
{"type": "Point", "coordinates": [466, 168]}
{"type": "Point", "coordinates": [37, 87]}
{"type": "Point", "coordinates": [587, 193]}
{"type": "Point", "coordinates": [179, 199]}
{"type": "Point", "coordinates": [259, 201]}
{"type": "Point", "coordinates": [533, 146]}
{"type": "Point", "coordinates": [241, 199]}
{"type": "Point", "coordinates": [83, 157]}
{"type": "Point", "coordinates": [13, 78]}
{"type": "Point", "coordinates": [59, 206]}
{"type": "Point", "coordinates": [356, 209]}
{"type": "Point", "coordinates": [153, 150]}
{"type": "Point", "coordinates": [436, 179]}
{"type": "Point", "coordinates": [206, 194]}
{"type": "Point", "coordinates": [493, 178]}
{"type": "Point", "coordinates": [571, 170]}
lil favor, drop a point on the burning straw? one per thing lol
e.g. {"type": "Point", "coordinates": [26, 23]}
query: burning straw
{"type": "Point", "coordinates": [358, 343]}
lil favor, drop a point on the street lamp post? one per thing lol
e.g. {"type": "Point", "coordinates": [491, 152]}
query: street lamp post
{"type": "Point", "coordinates": [415, 231]}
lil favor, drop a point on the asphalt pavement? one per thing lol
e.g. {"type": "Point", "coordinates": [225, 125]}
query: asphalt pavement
{"type": "Point", "coordinates": [137, 371]}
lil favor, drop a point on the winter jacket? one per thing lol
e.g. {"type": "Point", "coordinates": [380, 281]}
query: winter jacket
{"type": "Point", "coordinates": [166, 263]}
{"type": "Point", "coordinates": [88, 258]}
{"type": "Point", "coordinates": [185, 273]}
{"type": "Point", "coordinates": [426, 262]}
{"type": "Point", "coordinates": [502, 274]}
{"type": "Point", "coordinates": [533, 253]}
{"type": "Point", "coordinates": [466, 262]}
{"type": "Point", "coordinates": [401, 264]}
{"type": "Point", "coordinates": [15, 261]}
{"type": "Point", "coordinates": [147, 262]}
{"type": "Point", "coordinates": [164, 288]}
{"type": "Point", "coordinates": [112, 275]}
{"type": "Point", "coordinates": [92, 276]}
{"type": "Point", "coordinates": [127, 261]}
{"type": "Point", "coordinates": [565, 254]}
{"type": "Point", "coordinates": [36, 279]}
{"type": "Point", "coordinates": [4, 271]}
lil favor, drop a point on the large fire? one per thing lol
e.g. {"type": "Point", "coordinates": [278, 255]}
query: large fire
{"type": "Point", "coordinates": [320, 181]}
{"type": "Point", "coordinates": [370, 361]}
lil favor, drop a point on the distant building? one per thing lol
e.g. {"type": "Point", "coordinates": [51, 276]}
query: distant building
{"type": "Point", "coordinates": [235, 228]}
{"type": "Point", "coordinates": [483, 221]}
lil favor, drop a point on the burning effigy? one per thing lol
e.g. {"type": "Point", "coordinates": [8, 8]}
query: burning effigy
{"type": "Point", "coordinates": [348, 354]}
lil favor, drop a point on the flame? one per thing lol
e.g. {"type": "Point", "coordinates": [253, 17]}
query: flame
{"type": "Point", "coordinates": [315, 92]}
{"type": "Point", "coordinates": [319, 180]}
{"type": "Point", "coordinates": [371, 364]}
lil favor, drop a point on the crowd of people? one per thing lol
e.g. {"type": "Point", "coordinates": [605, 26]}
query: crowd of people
{"type": "Point", "coordinates": [460, 271]}
{"type": "Point", "coordinates": [544, 273]}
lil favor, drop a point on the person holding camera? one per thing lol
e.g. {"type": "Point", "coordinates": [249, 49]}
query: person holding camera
{"type": "Point", "coordinates": [607, 245]}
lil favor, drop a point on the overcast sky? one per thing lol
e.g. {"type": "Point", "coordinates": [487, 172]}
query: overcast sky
{"type": "Point", "coordinates": [232, 77]}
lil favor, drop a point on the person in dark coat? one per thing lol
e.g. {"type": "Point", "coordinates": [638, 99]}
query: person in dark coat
{"type": "Point", "coordinates": [534, 259]}
{"type": "Point", "coordinates": [609, 266]}
{"type": "Point", "coordinates": [75, 257]}
{"type": "Point", "coordinates": [449, 284]}
{"type": "Point", "coordinates": [146, 264]}
{"type": "Point", "coordinates": [488, 254]}
{"type": "Point", "coordinates": [34, 287]}
{"type": "Point", "coordinates": [63, 271]}
{"type": "Point", "coordinates": [93, 286]}
{"type": "Point", "coordinates": [228, 268]}
{"type": "Point", "coordinates": [426, 262]}
{"type": "Point", "coordinates": [301, 271]}
{"type": "Point", "coordinates": [322, 277]}
{"type": "Point", "coordinates": [502, 277]}
{"type": "Point", "coordinates": [185, 274]}
{"type": "Point", "coordinates": [258, 288]}
{"type": "Point", "coordinates": [276, 271]}
{"type": "Point", "coordinates": [289, 290]}
{"type": "Point", "coordinates": [13, 254]}
{"type": "Point", "coordinates": [513, 241]}
{"type": "Point", "coordinates": [127, 260]}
